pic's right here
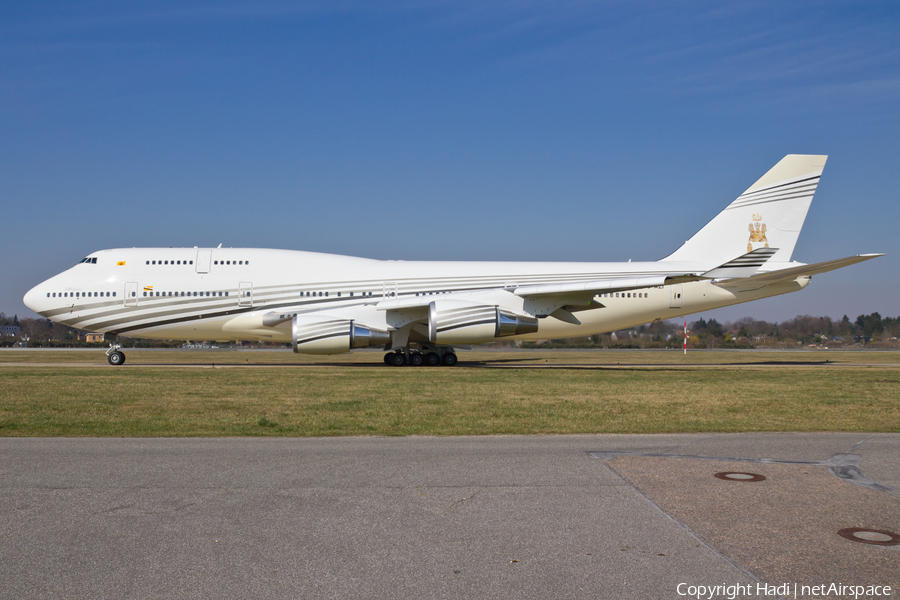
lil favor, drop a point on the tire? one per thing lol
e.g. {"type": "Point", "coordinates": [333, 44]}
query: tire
{"type": "Point", "coordinates": [387, 358]}
{"type": "Point", "coordinates": [397, 359]}
{"type": "Point", "coordinates": [416, 359]}
{"type": "Point", "coordinates": [116, 358]}
{"type": "Point", "coordinates": [432, 359]}
{"type": "Point", "coordinates": [449, 359]}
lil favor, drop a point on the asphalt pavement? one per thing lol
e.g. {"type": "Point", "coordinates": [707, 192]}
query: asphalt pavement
{"type": "Point", "coordinates": [593, 516]}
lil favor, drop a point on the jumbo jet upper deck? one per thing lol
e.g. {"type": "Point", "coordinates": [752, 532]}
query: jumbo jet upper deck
{"type": "Point", "coordinates": [421, 311]}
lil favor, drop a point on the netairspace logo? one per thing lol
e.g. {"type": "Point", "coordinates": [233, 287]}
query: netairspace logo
{"type": "Point", "coordinates": [784, 590]}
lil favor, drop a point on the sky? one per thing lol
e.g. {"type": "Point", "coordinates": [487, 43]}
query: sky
{"type": "Point", "coordinates": [446, 130]}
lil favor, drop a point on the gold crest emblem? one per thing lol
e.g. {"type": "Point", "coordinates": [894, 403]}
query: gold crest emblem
{"type": "Point", "coordinates": [757, 233]}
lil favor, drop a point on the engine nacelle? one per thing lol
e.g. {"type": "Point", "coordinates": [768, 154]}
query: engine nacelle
{"type": "Point", "coordinates": [460, 322]}
{"type": "Point", "coordinates": [326, 335]}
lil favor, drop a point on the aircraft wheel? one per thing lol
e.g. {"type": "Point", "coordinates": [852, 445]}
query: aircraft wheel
{"type": "Point", "coordinates": [449, 359]}
{"type": "Point", "coordinates": [397, 359]}
{"type": "Point", "coordinates": [387, 358]}
{"type": "Point", "coordinates": [432, 359]}
{"type": "Point", "coordinates": [116, 358]}
{"type": "Point", "coordinates": [416, 359]}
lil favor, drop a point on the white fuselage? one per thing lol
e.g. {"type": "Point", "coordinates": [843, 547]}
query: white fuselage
{"type": "Point", "coordinates": [227, 293]}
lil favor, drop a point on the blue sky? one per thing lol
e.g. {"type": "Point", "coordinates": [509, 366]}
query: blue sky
{"type": "Point", "coordinates": [595, 131]}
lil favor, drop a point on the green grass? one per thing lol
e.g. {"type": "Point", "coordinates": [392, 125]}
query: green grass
{"type": "Point", "coordinates": [363, 397]}
{"type": "Point", "coordinates": [179, 357]}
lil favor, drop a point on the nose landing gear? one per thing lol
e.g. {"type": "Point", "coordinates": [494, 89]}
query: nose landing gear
{"type": "Point", "coordinates": [114, 356]}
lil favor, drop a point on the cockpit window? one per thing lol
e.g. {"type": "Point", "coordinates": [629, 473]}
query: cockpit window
{"type": "Point", "coordinates": [88, 260]}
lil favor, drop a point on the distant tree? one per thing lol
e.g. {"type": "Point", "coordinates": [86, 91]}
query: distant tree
{"type": "Point", "coordinates": [845, 327]}
{"type": "Point", "coordinates": [869, 325]}
{"type": "Point", "coordinates": [714, 329]}
{"type": "Point", "coordinates": [890, 326]}
{"type": "Point", "coordinates": [699, 325]}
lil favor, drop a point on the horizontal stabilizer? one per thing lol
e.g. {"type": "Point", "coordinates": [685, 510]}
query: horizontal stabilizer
{"type": "Point", "coordinates": [742, 266]}
{"type": "Point", "coordinates": [813, 269]}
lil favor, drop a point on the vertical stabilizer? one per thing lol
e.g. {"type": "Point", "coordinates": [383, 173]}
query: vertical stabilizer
{"type": "Point", "coordinates": [769, 214]}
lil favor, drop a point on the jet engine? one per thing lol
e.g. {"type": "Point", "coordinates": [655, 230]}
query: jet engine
{"type": "Point", "coordinates": [326, 335]}
{"type": "Point", "coordinates": [460, 322]}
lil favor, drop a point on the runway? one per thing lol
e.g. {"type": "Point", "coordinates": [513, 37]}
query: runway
{"type": "Point", "coordinates": [590, 516]}
{"type": "Point", "coordinates": [462, 364]}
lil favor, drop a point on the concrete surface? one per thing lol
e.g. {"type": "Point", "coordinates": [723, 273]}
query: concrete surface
{"type": "Point", "coordinates": [597, 516]}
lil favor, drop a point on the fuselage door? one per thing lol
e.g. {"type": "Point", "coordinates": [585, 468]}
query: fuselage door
{"type": "Point", "coordinates": [390, 289]}
{"type": "Point", "coordinates": [245, 294]}
{"type": "Point", "coordinates": [204, 258]}
{"type": "Point", "coordinates": [676, 292]}
{"type": "Point", "coordinates": [131, 295]}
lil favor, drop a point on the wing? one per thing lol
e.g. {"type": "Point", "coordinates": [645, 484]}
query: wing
{"type": "Point", "coordinates": [559, 300]}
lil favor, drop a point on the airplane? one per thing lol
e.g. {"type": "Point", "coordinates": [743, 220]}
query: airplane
{"type": "Point", "coordinates": [420, 312]}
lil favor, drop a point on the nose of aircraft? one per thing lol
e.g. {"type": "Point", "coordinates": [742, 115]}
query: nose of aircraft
{"type": "Point", "coordinates": [32, 299]}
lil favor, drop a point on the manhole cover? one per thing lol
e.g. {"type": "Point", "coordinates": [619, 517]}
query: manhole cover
{"type": "Point", "coordinates": [876, 537]}
{"type": "Point", "coordinates": [740, 476]}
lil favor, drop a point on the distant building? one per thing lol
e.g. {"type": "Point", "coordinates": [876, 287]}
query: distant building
{"type": "Point", "coordinates": [10, 330]}
{"type": "Point", "coordinates": [93, 337]}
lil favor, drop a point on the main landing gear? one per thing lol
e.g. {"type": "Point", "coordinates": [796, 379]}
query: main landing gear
{"type": "Point", "coordinates": [431, 357]}
{"type": "Point", "coordinates": [114, 356]}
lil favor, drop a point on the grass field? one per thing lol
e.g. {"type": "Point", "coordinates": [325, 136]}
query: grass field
{"type": "Point", "coordinates": [175, 357]}
{"type": "Point", "coordinates": [180, 393]}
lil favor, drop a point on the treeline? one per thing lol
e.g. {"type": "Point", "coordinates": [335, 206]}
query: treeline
{"type": "Point", "coordinates": [872, 331]}
{"type": "Point", "coordinates": [44, 333]}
